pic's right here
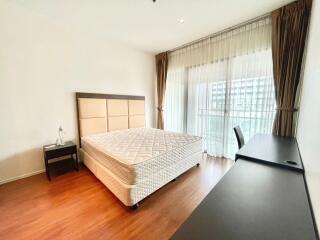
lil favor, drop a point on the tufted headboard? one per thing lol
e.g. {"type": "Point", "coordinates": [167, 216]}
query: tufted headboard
{"type": "Point", "coordinates": [99, 113]}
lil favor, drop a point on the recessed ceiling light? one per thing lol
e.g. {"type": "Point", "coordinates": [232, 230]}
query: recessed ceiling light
{"type": "Point", "coordinates": [181, 20]}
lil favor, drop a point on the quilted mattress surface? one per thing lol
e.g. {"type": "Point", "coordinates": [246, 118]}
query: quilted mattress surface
{"type": "Point", "coordinates": [135, 154]}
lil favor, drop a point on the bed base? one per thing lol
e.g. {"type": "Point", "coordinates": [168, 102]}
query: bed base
{"type": "Point", "coordinates": [136, 206]}
{"type": "Point", "coordinates": [131, 195]}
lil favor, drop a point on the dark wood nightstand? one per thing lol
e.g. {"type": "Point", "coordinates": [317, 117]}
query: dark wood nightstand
{"type": "Point", "coordinates": [53, 151]}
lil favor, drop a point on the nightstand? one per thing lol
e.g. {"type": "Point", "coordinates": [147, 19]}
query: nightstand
{"type": "Point", "coordinates": [53, 151]}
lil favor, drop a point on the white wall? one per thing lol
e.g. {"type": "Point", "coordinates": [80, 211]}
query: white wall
{"type": "Point", "coordinates": [308, 134]}
{"type": "Point", "coordinates": [42, 65]}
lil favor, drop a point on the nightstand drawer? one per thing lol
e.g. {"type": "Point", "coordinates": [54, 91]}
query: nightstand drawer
{"type": "Point", "coordinates": [61, 152]}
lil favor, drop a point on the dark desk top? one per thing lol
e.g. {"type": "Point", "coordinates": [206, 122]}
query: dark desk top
{"type": "Point", "coordinates": [253, 201]}
{"type": "Point", "coordinates": [280, 151]}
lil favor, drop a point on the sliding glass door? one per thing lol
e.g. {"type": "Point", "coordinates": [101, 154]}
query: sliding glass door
{"type": "Point", "coordinates": [226, 88]}
{"type": "Point", "coordinates": [207, 92]}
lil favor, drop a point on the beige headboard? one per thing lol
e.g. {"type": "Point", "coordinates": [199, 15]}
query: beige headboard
{"type": "Point", "coordinates": [99, 113]}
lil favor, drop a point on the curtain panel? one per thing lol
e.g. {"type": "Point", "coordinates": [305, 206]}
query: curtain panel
{"type": "Point", "coordinates": [221, 82]}
{"type": "Point", "coordinates": [161, 69]}
{"type": "Point", "coordinates": [289, 31]}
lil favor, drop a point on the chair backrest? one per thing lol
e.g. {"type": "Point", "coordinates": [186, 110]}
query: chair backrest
{"type": "Point", "coordinates": [239, 135]}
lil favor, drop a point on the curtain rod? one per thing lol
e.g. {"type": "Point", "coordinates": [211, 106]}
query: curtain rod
{"type": "Point", "coordinates": [220, 32]}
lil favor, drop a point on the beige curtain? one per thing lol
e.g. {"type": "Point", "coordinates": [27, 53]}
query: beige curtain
{"type": "Point", "coordinates": [289, 30]}
{"type": "Point", "coordinates": [161, 68]}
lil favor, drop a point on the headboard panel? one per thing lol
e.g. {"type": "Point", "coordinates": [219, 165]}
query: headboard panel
{"type": "Point", "coordinates": [118, 114]}
{"type": "Point", "coordinates": [92, 116]}
{"type": "Point", "coordinates": [98, 113]}
{"type": "Point", "coordinates": [136, 113]}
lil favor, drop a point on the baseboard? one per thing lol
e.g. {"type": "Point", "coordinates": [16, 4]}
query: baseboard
{"type": "Point", "coordinates": [21, 176]}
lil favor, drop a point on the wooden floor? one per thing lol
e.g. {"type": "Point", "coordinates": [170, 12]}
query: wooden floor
{"type": "Point", "coordinates": [77, 206]}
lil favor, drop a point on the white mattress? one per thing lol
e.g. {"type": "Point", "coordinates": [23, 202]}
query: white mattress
{"type": "Point", "coordinates": [135, 154]}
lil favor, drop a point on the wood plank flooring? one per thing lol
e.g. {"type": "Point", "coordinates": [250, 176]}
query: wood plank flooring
{"type": "Point", "coordinates": [78, 206]}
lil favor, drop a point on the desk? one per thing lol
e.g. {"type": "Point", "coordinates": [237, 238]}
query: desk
{"type": "Point", "coordinates": [268, 149]}
{"type": "Point", "coordinates": [253, 201]}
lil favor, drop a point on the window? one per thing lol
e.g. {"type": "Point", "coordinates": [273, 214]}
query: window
{"type": "Point", "coordinates": [228, 87]}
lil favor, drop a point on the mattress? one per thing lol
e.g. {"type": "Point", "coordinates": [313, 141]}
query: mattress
{"type": "Point", "coordinates": [133, 155]}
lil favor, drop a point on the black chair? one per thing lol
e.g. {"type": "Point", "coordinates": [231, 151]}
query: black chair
{"type": "Point", "coordinates": [239, 135]}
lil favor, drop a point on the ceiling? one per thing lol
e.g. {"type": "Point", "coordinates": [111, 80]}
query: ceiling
{"type": "Point", "coordinates": [151, 27]}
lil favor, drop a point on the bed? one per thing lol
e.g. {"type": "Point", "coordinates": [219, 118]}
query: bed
{"type": "Point", "coordinates": [131, 160]}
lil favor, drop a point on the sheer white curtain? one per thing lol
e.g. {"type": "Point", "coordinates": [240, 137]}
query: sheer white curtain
{"type": "Point", "coordinates": [222, 82]}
